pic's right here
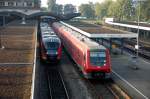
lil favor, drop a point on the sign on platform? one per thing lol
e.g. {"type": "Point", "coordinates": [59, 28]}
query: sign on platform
{"type": "Point", "coordinates": [136, 46]}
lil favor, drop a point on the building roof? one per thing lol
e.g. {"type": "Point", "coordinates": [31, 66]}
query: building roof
{"type": "Point", "coordinates": [36, 13]}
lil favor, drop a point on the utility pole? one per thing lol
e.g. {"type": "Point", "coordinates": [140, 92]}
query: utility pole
{"type": "Point", "coordinates": [23, 17]}
{"type": "Point", "coordinates": [138, 31]}
{"type": "Point", "coordinates": [135, 58]}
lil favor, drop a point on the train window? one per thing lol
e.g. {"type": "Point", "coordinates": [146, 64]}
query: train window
{"type": "Point", "coordinates": [52, 45]}
{"type": "Point", "coordinates": [98, 58]}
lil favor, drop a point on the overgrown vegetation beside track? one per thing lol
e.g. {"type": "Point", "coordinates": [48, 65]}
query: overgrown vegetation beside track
{"type": "Point", "coordinates": [16, 61]}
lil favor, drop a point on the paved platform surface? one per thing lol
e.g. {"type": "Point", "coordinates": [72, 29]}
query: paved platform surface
{"type": "Point", "coordinates": [135, 81]}
{"type": "Point", "coordinates": [16, 60]}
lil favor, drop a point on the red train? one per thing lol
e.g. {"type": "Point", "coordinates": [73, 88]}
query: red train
{"type": "Point", "coordinates": [93, 59]}
{"type": "Point", "coordinates": [50, 44]}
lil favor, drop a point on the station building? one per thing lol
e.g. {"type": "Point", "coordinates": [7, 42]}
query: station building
{"type": "Point", "coordinates": [16, 9]}
{"type": "Point", "coordinates": [20, 4]}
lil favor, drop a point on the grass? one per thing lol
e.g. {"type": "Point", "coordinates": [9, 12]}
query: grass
{"type": "Point", "coordinates": [16, 80]}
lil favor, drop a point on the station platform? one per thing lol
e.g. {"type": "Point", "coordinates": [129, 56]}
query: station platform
{"type": "Point", "coordinates": [141, 26]}
{"type": "Point", "coordinates": [131, 75]}
{"type": "Point", "coordinates": [17, 60]}
{"type": "Point", "coordinates": [95, 31]}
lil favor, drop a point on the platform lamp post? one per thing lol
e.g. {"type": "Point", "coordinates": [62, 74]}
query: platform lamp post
{"type": "Point", "coordinates": [1, 46]}
{"type": "Point", "coordinates": [135, 58]}
{"type": "Point", "coordinates": [138, 31]}
{"type": "Point", "coordinates": [23, 17]}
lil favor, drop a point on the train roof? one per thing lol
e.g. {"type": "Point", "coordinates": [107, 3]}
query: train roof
{"type": "Point", "coordinates": [90, 43]}
{"type": "Point", "coordinates": [46, 28]}
{"type": "Point", "coordinates": [51, 39]}
{"type": "Point", "coordinates": [48, 35]}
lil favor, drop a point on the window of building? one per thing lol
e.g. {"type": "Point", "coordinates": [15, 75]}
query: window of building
{"type": "Point", "coordinates": [19, 4]}
{"type": "Point", "coordinates": [10, 3]}
{"type": "Point", "coordinates": [2, 4]}
{"type": "Point", "coordinates": [29, 4]}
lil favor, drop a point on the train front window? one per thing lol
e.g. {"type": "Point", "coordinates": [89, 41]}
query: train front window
{"type": "Point", "coordinates": [98, 58]}
{"type": "Point", "coordinates": [52, 45]}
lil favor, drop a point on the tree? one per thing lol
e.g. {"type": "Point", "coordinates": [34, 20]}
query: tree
{"type": "Point", "coordinates": [87, 11]}
{"type": "Point", "coordinates": [97, 10]}
{"type": "Point", "coordinates": [127, 9]}
{"type": "Point", "coordinates": [121, 9]}
{"type": "Point", "coordinates": [101, 10]}
{"type": "Point", "coordinates": [69, 8]}
{"type": "Point", "coordinates": [51, 5]}
{"type": "Point", "coordinates": [58, 9]}
{"type": "Point", "coordinates": [144, 10]}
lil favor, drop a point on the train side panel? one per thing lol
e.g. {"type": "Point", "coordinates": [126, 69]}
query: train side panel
{"type": "Point", "coordinates": [80, 53]}
{"type": "Point", "coordinates": [77, 52]}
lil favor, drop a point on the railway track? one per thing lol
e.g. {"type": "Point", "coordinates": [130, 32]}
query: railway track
{"type": "Point", "coordinates": [106, 89]}
{"type": "Point", "coordinates": [101, 88]}
{"type": "Point", "coordinates": [57, 88]}
{"type": "Point", "coordinates": [143, 51]}
{"type": "Point", "coordinates": [129, 47]}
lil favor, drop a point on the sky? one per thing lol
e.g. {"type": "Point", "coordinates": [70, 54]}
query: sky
{"type": "Point", "coordinates": [74, 2]}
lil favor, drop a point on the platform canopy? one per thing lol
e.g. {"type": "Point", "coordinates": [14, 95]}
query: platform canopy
{"type": "Point", "coordinates": [129, 26]}
{"type": "Point", "coordinates": [114, 33]}
{"type": "Point", "coordinates": [36, 13]}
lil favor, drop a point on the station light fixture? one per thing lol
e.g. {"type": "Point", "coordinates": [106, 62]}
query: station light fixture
{"type": "Point", "coordinates": [138, 31]}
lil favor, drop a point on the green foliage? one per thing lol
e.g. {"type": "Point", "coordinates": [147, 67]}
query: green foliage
{"type": "Point", "coordinates": [101, 10]}
{"type": "Point", "coordinates": [87, 10]}
{"type": "Point", "coordinates": [51, 5]}
{"type": "Point", "coordinates": [58, 9]}
{"type": "Point", "coordinates": [69, 8]}
{"type": "Point", "coordinates": [144, 10]}
{"type": "Point", "coordinates": [54, 8]}
{"type": "Point", "coordinates": [121, 10]}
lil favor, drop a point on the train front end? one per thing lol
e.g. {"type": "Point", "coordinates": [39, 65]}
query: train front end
{"type": "Point", "coordinates": [53, 49]}
{"type": "Point", "coordinates": [98, 63]}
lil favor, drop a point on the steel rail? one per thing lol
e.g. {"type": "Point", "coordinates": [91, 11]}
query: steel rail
{"type": "Point", "coordinates": [59, 83]}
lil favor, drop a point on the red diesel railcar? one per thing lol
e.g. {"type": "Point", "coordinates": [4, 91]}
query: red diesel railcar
{"type": "Point", "coordinates": [92, 58]}
{"type": "Point", "coordinates": [50, 44]}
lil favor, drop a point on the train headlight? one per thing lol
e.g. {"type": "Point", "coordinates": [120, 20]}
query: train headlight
{"type": "Point", "coordinates": [47, 53]}
{"type": "Point", "coordinates": [56, 52]}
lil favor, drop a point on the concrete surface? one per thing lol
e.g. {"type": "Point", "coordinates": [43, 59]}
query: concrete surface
{"type": "Point", "coordinates": [135, 81]}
